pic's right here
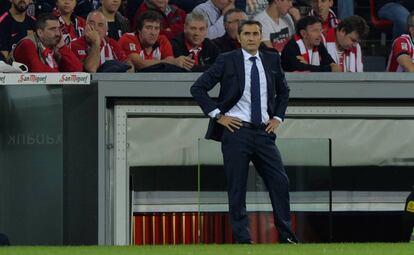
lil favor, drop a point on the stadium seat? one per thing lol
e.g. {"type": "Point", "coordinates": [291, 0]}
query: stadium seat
{"type": "Point", "coordinates": [383, 25]}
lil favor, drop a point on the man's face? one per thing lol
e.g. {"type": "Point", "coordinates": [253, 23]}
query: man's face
{"type": "Point", "coordinates": [283, 6]}
{"type": "Point", "coordinates": [346, 41]}
{"type": "Point", "coordinates": [160, 4]}
{"type": "Point", "coordinates": [232, 23]}
{"type": "Point", "coordinates": [221, 4]}
{"type": "Point", "coordinates": [66, 6]}
{"type": "Point", "coordinates": [195, 32]}
{"type": "Point", "coordinates": [20, 5]}
{"type": "Point", "coordinates": [322, 6]}
{"type": "Point", "coordinates": [149, 33]}
{"type": "Point", "coordinates": [98, 22]}
{"type": "Point", "coordinates": [51, 34]}
{"type": "Point", "coordinates": [250, 38]}
{"type": "Point", "coordinates": [111, 5]}
{"type": "Point", "coordinates": [312, 34]}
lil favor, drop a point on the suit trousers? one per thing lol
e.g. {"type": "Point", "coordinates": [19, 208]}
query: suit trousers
{"type": "Point", "coordinates": [255, 145]}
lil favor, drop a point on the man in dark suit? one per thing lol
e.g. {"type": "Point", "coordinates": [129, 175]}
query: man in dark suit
{"type": "Point", "coordinates": [251, 105]}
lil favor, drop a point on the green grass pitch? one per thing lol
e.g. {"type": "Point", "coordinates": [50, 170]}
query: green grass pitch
{"type": "Point", "coordinates": [256, 249]}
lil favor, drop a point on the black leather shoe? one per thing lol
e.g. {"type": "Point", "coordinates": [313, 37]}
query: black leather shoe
{"type": "Point", "coordinates": [289, 240]}
{"type": "Point", "coordinates": [246, 242]}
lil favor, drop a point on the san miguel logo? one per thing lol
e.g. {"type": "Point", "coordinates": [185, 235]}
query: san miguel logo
{"type": "Point", "coordinates": [73, 78]}
{"type": "Point", "coordinates": [32, 78]}
{"type": "Point", "coordinates": [2, 79]}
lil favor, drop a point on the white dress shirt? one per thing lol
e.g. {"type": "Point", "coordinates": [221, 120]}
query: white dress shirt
{"type": "Point", "coordinates": [243, 109]}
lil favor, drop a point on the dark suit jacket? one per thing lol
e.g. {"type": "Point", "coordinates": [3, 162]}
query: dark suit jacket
{"type": "Point", "coordinates": [291, 64]}
{"type": "Point", "coordinates": [229, 71]}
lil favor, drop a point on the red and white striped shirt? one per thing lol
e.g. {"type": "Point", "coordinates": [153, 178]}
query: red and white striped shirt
{"type": "Point", "coordinates": [350, 60]}
{"type": "Point", "coordinates": [402, 45]}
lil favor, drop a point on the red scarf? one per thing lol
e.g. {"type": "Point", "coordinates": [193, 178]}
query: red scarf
{"type": "Point", "coordinates": [47, 55]}
{"type": "Point", "coordinates": [106, 52]}
{"type": "Point", "coordinates": [194, 51]}
{"type": "Point", "coordinates": [315, 59]}
{"type": "Point", "coordinates": [350, 60]}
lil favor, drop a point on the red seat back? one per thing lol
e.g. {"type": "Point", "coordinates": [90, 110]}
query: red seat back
{"type": "Point", "coordinates": [380, 24]}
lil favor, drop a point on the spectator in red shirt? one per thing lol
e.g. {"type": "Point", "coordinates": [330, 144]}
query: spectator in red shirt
{"type": "Point", "coordinates": [45, 50]}
{"type": "Point", "coordinates": [342, 43]}
{"type": "Point", "coordinates": [147, 47]}
{"type": "Point", "coordinates": [401, 58]}
{"type": "Point", "coordinates": [95, 48]}
{"type": "Point", "coordinates": [322, 9]}
{"type": "Point", "coordinates": [173, 18]}
{"type": "Point", "coordinates": [72, 26]}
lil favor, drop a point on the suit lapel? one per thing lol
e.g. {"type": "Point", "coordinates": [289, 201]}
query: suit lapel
{"type": "Point", "coordinates": [268, 71]}
{"type": "Point", "coordinates": [239, 63]}
{"type": "Point", "coordinates": [267, 66]}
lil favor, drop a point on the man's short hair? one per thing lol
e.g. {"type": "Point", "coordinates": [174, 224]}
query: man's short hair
{"type": "Point", "coordinates": [249, 22]}
{"type": "Point", "coordinates": [196, 16]}
{"type": "Point", "coordinates": [354, 23]}
{"type": "Point", "coordinates": [306, 21]}
{"type": "Point", "coordinates": [43, 19]}
{"type": "Point", "coordinates": [150, 16]}
{"type": "Point", "coordinates": [96, 12]}
{"type": "Point", "coordinates": [230, 12]}
{"type": "Point", "coordinates": [410, 21]}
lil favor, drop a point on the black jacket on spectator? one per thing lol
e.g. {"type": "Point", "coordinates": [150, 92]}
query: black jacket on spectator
{"type": "Point", "coordinates": [290, 63]}
{"type": "Point", "coordinates": [208, 53]}
{"type": "Point", "coordinates": [225, 43]}
{"type": "Point", "coordinates": [118, 27]}
{"type": "Point", "coordinates": [4, 6]}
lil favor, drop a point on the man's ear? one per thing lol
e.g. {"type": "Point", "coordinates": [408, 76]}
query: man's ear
{"type": "Point", "coordinates": [302, 33]}
{"type": "Point", "coordinates": [411, 30]}
{"type": "Point", "coordinates": [238, 38]}
{"type": "Point", "coordinates": [38, 32]}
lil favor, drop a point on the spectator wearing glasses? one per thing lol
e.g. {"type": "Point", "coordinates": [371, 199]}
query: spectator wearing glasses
{"type": "Point", "coordinates": [342, 43]}
{"type": "Point", "coordinates": [305, 52]}
{"type": "Point", "coordinates": [95, 48]}
{"type": "Point", "coordinates": [148, 49]}
{"type": "Point", "coordinates": [45, 50]}
{"type": "Point", "coordinates": [228, 41]}
{"type": "Point", "coordinates": [401, 58]}
{"type": "Point", "coordinates": [15, 24]}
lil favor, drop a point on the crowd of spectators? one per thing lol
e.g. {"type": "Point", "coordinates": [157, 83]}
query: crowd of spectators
{"type": "Point", "coordinates": [188, 35]}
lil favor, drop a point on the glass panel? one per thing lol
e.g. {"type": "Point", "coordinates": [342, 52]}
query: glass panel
{"type": "Point", "coordinates": [31, 172]}
{"type": "Point", "coordinates": [307, 163]}
{"type": "Point", "coordinates": [48, 166]}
